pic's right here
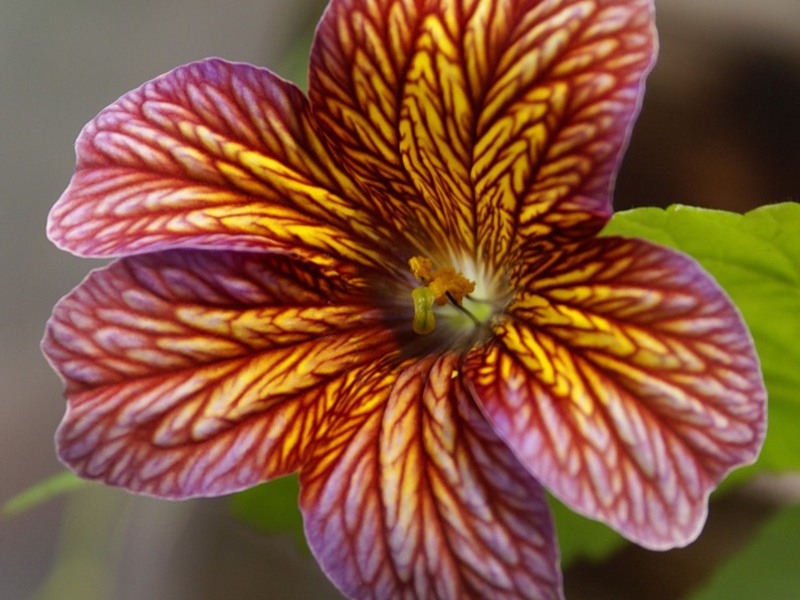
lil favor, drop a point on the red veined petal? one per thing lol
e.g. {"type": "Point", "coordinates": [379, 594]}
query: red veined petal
{"type": "Point", "coordinates": [508, 117]}
{"type": "Point", "coordinates": [199, 373]}
{"type": "Point", "coordinates": [626, 381]}
{"type": "Point", "coordinates": [357, 69]}
{"type": "Point", "coordinates": [560, 100]}
{"type": "Point", "coordinates": [211, 154]}
{"type": "Point", "coordinates": [414, 496]}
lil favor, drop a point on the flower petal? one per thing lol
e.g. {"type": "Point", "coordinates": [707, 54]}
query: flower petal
{"type": "Point", "coordinates": [199, 373]}
{"type": "Point", "coordinates": [626, 381]}
{"type": "Point", "coordinates": [356, 74]}
{"type": "Point", "coordinates": [509, 117]}
{"type": "Point", "coordinates": [416, 497]}
{"type": "Point", "coordinates": [211, 154]}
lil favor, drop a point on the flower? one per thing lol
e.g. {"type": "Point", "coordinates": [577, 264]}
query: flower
{"type": "Point", "coordinates": [396, 288]}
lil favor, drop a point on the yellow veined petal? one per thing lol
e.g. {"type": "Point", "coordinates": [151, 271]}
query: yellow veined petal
{"type": "Point", "coordinates": [558, 102]}
{"type": "Point", "coordinates": [437, 116]}
{"type": "Point", "coordinates": [415, 496]}
{"type": "Point", "coordinates": [357, 69]}
{"type": "Point", "coordinates": [200, 373]}
{"type": "Point", "coordinates": [212, 154]}
{"type": "Point", "coordinates": [509, 118]}
{"type": "Point", "coordinates": [626, 381]}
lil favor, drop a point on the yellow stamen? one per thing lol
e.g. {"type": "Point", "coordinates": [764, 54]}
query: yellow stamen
{"type": "Point", "coordinates": [421, 268]}
{"type": "Point", "coordinates": [449, 284]}
{"type": "Point", "coordinates": [439, 286]}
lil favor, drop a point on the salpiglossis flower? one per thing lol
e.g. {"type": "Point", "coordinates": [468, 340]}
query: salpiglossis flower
{"type": "Point", "coordinates": [395, 287]}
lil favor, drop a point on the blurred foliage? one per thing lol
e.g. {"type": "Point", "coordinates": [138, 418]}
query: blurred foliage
{"type": "Point", "coordinates": [766, 569]}
{"type": "Point", "coordinates": [41, 492]}
{"type": "Point", "coordinates": [90, 547]}
{"type": "Point", "coordinates": [581, 538]}
{"type": "Point", "coordinates": [293, 65]}
{"type": "Point", "coordinates": [272, 508]}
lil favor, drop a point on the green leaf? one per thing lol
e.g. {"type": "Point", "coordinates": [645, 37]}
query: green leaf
{"type": "Point", "coordinates": [39, 493]}
{"type": "Point", "coordinates": [766, 568]}
{"type": "Point", "coordinates": [582, 538]}
{"type": "Point", "coordinates": [756, 258]}
{"type": "Point", "coordinates": [272, 508]}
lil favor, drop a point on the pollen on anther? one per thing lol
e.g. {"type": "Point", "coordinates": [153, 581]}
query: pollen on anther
{"type": "Point", "coordinates": [421, 268]}
{"type": "Point", "coordinates": [447, 284]}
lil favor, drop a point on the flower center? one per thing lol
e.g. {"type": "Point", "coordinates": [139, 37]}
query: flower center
{"type": "Point", "coordinates": [446, 292]}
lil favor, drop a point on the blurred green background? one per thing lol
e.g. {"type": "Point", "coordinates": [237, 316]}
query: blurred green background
{"type": "Point", "coordinates": [720, 128]}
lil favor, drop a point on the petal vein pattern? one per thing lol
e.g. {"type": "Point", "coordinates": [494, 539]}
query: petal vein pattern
{"type": "Point", "coordinates": [626, 381]}
{"type": "Point", "coordinates": [192, 373]}
{"type": "Point", "coordinates": [421, 500]}
{"type": "Point", "coordinates": [360, 54]}
{"type": "Point", "coordinates": [556, 118]}
{"type": "Point", "coordinates": [212, 154]}
{"type": "Point", "coordinates": [507, 119]}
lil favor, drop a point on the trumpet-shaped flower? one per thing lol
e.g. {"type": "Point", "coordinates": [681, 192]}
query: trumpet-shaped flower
{"type": "Point", "coordinates": [395, 287]}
